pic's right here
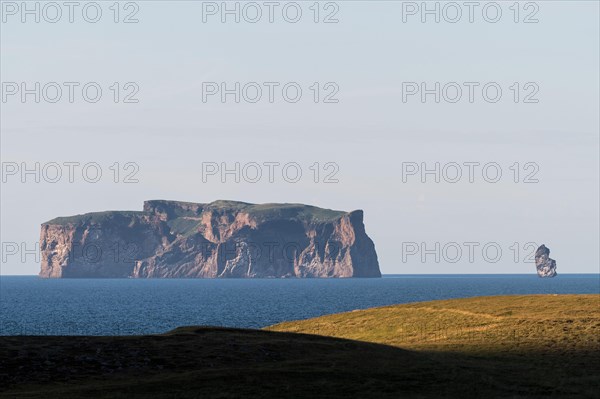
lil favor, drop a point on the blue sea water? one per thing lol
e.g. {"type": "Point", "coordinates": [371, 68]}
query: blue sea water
{"type": "Point", "coordinates": [34, 306]}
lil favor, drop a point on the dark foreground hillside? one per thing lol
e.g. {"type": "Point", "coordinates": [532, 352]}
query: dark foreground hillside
{"type": "Point", "coordinates": [458, 348]}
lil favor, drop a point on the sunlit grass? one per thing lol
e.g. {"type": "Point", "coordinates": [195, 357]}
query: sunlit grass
{"type": "Point", "coordinates": [506, 323]}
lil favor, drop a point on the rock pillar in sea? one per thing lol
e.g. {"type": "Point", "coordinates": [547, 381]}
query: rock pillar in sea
{"type": "Point", "coordinates": [545, 266]}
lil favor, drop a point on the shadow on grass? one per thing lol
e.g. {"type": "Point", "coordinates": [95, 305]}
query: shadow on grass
{"type": "Point", "coordinates": [214, 362]}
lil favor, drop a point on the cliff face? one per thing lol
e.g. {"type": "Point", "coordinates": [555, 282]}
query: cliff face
{"type": "Point", "coordinates": [219, 239]}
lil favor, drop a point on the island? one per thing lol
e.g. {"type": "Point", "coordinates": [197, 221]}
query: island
{"type": "Point", "coordinates": [545, 266]}
{"type": "Point", "coordinates": [174, 239]}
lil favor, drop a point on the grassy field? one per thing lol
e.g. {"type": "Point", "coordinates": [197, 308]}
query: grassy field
{"type": "Point", "coordinates": [503, 324]}
{"type": "Point", "coordinates": [491, 347]}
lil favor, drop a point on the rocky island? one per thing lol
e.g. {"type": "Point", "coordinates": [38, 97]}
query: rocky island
{"type": "Point", "coordinates": [545, 266]}
{"type": "Point", "coordinates": [171, 239]}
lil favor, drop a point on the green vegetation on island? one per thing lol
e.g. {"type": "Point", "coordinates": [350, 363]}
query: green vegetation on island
{"type": "Point", "coordinates": [190, 210]}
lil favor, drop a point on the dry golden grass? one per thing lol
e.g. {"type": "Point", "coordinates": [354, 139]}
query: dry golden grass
{"type": "Point", "coordinates": [481, 324]}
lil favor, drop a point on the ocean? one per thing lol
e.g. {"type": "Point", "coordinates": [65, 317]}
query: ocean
{"type": "Point", "coordinates": [33, 306]}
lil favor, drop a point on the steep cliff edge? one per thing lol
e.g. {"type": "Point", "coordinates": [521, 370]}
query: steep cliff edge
{"type": "Point", "coordinates": [218, 239]}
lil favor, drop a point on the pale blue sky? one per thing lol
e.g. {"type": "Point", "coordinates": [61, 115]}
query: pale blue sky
{"type": "Point", "coordinates": [369, 133]}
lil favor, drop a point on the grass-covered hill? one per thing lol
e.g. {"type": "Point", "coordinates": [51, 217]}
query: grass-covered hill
{"type": "Point", "coordinates": [503, 324]}
{"type": "Point", "coordinates": [93, 217]}
{"type": "Point", "coordinates": [540, 346]}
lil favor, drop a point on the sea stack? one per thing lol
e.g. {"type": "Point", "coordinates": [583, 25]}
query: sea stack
{"type": "Point", "coordinates": [545, 266]}
{"type": "Point", "coordinates": [173, 239]}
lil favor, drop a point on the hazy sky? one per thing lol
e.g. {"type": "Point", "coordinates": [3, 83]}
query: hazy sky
{"type": "Point", "coordinates": [371, 62]}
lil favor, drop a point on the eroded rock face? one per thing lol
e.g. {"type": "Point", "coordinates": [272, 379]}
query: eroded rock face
{"type": "Point", "coordinates": [545, 266]}
{"type": "Point", "coordinates": [219, 239]}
